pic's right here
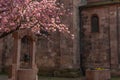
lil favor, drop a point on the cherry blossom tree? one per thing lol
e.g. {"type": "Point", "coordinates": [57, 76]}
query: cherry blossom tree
{"type": "Point", "coordinates": [42, 17]}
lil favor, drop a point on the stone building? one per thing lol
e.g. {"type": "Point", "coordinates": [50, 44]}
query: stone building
{"type": "Point", "coordinates": [95, 24]}
{"type": "Point", "coordinates": [58, 53]}
{"type": "Point", "coordinates": [100, 34]}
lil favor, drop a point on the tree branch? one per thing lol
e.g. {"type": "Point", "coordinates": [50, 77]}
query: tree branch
{"type": "Point", "coordinates": [17, 28]}
{"type": "Point", "coordinates": [7, 33]}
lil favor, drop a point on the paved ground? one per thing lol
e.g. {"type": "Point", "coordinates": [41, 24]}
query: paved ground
{"type": "Point", "coordinates": [3, 77]}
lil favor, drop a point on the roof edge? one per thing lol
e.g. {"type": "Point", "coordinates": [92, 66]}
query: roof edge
{"type": "Point", "coordinates": [100, 4]}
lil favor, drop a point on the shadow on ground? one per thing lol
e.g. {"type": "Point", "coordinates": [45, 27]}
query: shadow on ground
{"type": "Point", "coordinates": [3, 77]}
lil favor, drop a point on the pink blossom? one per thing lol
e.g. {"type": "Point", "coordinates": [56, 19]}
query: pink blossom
{"type": "Point", "coordinates": [32, 14]}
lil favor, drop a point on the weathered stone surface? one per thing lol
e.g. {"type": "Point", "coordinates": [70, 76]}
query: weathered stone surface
{"type": "Point", "coordinates": [98, 75]}
{"type": "Point", "coordinates": [26, 68]}
{"type": "Point", "coordinates": [50, 53]}
{"type": "Point", "coordinates": [26, 74]}
{"type": "Point", "coordinates": [101, 49]}
{"type": "Point", "coordinates": [1, 48]}
{"type": "Point", "coordinates": [97, 49]}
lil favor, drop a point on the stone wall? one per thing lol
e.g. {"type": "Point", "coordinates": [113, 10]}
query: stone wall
{"type": "Point", "coordinates": [6, 51]}
{"type": "Point", "coordinates": [1, 59]}
{"type": "Point", "coordinates": [101, 49]}
{"type": "Point", "coordinates": [60, 51]}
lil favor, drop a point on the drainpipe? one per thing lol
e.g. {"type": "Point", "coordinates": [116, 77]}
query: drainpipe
{"type": "Point", "coordinates": [118, 42]}
{"type": "Point", "coordinates": [109, 40]}
{"type": "Point", "coordinates": [81, 46]}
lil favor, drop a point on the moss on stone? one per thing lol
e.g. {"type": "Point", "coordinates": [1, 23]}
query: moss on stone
{"type": "Point", "coordinates": [46, 72]}
{"type": "Point", "coordinates": [70, 73]}
{"type": "Point", "coordinates": [67, 73]}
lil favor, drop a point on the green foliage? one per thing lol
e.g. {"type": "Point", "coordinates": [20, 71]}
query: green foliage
{"type": "Point", "coordinates": [45, 72]}
{"type": "Point", "coordinates": [115, 78]}
{"type": "Point", "coordinates": [56, 78]}
{"type": "Point", "coordinates": [3, 73]}
{"type": "Point", "coordinates": [69, 73]}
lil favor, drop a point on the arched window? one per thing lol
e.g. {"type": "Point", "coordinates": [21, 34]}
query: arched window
{"type": "Point", "coordinates": [94, 23]}
{"type": "Point", "coordinates": [25, 55]}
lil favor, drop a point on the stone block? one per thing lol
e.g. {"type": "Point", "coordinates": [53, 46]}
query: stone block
{"type": "Point", "coordinates": [98, 74]}
{"type": "Point", "coordinates": [28, 74]}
